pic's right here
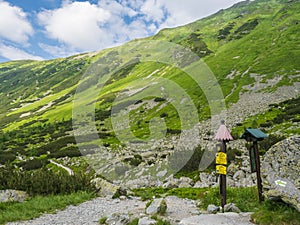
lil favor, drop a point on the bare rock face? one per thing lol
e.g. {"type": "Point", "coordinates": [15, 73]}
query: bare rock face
{"type": "Point", "coordinates": [281, 170]}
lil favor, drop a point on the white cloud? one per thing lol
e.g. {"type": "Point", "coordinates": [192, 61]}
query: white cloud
{"type": "Point", "coordinates": [79, 25]}
{"type": "Point", "coordinates": [153, 10]}
{"type": "Point", "coordinates": [14, 25]}
{"type": "Point", "coordinates": [82, 26]}
{"type": "Point", "coordinates": [13, 53]}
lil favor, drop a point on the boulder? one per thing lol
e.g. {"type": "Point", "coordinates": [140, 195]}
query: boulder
{"type": "Point", "coordinates": [213, 209]}
{"type": "Point", "coordinates": [231, 207]}
{"type": "Point", "coordinates": [105, 188]}
{"type": "Point", "coordinates": [157, 206]}
{"type": "Point", "coordinates": [280, 171]}
{"type": "Point", "coordinates": [185, 182]}
{"type": "Point", "coordinates": [232, 169]}
{"type": "Point", "coordinates": [239, 175]}
{"type": "Point", "coordinates": [147, 221]}
{"type": "Point", "coordinates": [200, 184]}
{"type": "Point", "coordinates": [13, 196]}
{"type": "Point", "coordinates": [117, 219]}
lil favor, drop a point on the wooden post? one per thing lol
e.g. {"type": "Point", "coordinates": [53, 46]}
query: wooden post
{"type": "Point", "coordinates": [223, 136]}
{"type": "Point", "coordinates": [223, 181]}
{"type": "Point", "coordinates": [255, 135]}
{"type": "Point", "coordinates": [258, 177]}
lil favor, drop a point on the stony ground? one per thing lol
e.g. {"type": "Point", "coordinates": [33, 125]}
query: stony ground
{"type": "Point", "coordinates": [179, 211]}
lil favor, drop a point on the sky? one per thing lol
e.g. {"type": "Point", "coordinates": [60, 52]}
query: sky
{"type": "Point", "coordinates": [47, 29]}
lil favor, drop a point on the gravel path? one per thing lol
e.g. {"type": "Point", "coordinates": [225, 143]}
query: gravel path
{"type": "Point", "coordinates": [89, 213]}
{"type": "Point", "coordinates": [179, 211]}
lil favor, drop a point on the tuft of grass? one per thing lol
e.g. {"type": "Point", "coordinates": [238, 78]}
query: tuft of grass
{"type": "Point", "coordinates": [135, 221]}
{"type": "Point", "coordinates": [36, 206]}
{"type": "Point", "coordinates": [276, 213]}
{"type": "Point", "coordinates": [103, 220]}
{"type": "Point", "coordinates": [160, 221]}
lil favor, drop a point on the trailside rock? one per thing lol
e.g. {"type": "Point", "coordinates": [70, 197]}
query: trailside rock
{"type": "Point", "coordinates": [228, 218]}
{"type": "Point", "coordinates": [231, 207]}
{"type": "Point", "coordinates": [280, 171]}
{"type": "Point", "coordinates": [118, 219]}
{"type": "Point", "coordinates": [104, 187]}
{"type": "Point", "coordinates": [213, 209]}
{"type": "Point", "coordinates": [157, 206]}
{"type": "Point", "coordinates": [13, 196]}
{"type": "Point", "coordinates": [147, 221]}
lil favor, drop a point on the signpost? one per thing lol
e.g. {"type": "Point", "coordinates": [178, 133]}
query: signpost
{"type": "Point", "coordinates": [255, 135]}
{"type": "Point", "coordinates": [223, 136]}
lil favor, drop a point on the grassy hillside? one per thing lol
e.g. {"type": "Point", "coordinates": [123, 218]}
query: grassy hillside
{"type": "Point", "coordinates": [250, 44]}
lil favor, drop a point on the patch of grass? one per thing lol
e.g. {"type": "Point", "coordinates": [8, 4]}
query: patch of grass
{"type": "Point", "coordinates": [246, 199]}
{"type": "Point", "coordinates": [135, 221]}
{"type": "Point", "coordinates": [276, 213]}
{"type": "Point", "coordinates": [191, 193]}
{"type": "Point", "coordinates": [103, 220]}
{"type": "Point", "coordinates": [34, 207]}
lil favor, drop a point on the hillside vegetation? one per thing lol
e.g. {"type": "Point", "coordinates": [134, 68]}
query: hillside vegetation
{"type": "Point", "coordinates": [252, 47]}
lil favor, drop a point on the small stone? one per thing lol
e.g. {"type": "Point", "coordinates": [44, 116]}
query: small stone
{"type": "Point", "coordinates": [117, 219]}
{"type": "Point", "coordinates": [213, 209]}
{"type": "Point", "coordinates": [147, 221]}
{"type": "Point", "coordinates": [231, 207]}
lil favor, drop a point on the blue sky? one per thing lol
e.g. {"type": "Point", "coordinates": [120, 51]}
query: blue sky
{"type": "Point", "coordinates": [46, 29]}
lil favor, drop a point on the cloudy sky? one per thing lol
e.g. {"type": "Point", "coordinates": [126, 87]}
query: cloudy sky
{"type": "Point", "coordinates": [45, 29]}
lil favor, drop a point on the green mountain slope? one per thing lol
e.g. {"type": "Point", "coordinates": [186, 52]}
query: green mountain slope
{"type": "Point", "coordinates": [252, 47]}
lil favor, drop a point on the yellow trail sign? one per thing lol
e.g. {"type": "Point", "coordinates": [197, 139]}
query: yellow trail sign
{"type": "Point", "coordinates": [221, 158]}
{"type": "Point", "coordinates": [221, 169]}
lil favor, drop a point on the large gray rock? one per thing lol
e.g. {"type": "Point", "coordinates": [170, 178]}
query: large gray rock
{"type": "Point", "coordinates": [13, 196]}
{"type": "Point", "coordinates": [280, 171]}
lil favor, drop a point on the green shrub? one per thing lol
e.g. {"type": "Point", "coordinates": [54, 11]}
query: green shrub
{"type": "Point", "coordinates": [33, 164]}
{"type": "Point", "coordinates": [6, 157]}
{"type": "Point", "coordinates": [44, 181]}
{"type": "Point", "coordinates": [70, 151]}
